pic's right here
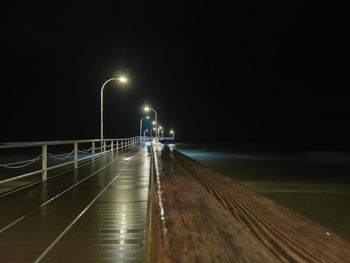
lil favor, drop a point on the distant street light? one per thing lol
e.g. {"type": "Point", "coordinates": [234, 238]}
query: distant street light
{"type": "Point", "coordinates": [144, 132]}
{"type": "Point", "coordinates": [173, 133]}
{"type": "Point", "coordinates": [147, 109]}
{"type": "Point", "coordinates": [147, 117]}
{"type": "Point", "coordinates": [122, 80]}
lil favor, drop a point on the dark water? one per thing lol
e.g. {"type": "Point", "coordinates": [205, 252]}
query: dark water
{"type": "Point", "coordinates": [314, 183]}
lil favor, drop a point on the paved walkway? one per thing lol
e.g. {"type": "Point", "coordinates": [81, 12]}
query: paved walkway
{"type": "Point", "coordinates": [96, 213]}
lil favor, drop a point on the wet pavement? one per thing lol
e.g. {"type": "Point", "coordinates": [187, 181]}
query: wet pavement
{"type": "Point", "coordinates": [96, 213]}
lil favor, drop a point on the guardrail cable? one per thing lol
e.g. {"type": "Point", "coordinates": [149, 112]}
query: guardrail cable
{"type": "Point", "coordinates": [26, 163]}
{"type": "Point", "coordinates": [60, 158]}
{"type": "Point", "coordinates": [85, 151]}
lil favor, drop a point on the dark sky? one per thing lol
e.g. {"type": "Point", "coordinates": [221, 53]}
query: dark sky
{"type": "Point", "coordinates": [252, 72]}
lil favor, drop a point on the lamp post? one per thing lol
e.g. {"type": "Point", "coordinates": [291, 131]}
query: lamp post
{"type": "Point", "coordinates": [144, 133]}
{"type": "Point", "coordinates": [122, 80]}
{"type": "Point", "coordinates": [155, 117]}
{"type": "Point", "coordinates": [173, 133]}
{"type": "Point", "coordinates": [147, 117]}
{"type": "Point", "coordinates": [161, 130]}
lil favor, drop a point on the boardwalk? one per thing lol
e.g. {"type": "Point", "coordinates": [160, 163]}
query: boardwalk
{"type": "Point", "coordinates": [96, 213]}
{"type": "Point", "coordinates": [131, 208]}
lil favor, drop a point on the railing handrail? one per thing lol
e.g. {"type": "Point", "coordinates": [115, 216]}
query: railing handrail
{"type": "Point", "coordinates": [40, 143]}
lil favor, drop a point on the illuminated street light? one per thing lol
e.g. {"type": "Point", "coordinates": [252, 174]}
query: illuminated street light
{"type": "Point", "coordinates": [173, 133]}
{"type": "Point", "coordinates": [147, 109]}
{"type": "Point", "coordinates": [122, 80]}
{"type": "Point", "coordinates": [147, 117]}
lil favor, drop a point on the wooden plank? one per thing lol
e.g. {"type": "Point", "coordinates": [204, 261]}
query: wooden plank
{"type": "Point", "coordinates": [200, 216]}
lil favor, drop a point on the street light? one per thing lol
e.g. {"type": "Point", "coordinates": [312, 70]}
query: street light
{"type": "Point", "coordinates": [147, 109]}
{"type": "Point", "coordinates": [122, 80]}
{"type": "Point", "coordinates": [147, 117]}
{"type": "Point", "coordinates": [144, 133]}
{"type": "Point", "coordinates": [173, 133]}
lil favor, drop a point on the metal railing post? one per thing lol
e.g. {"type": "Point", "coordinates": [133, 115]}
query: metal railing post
{"type": "Point", "coordinates": [117, 146]}
{"type": "Point", "coordinates": [112, 149]}
{"type": "Point", "coordinates": [75, 155]}
{"type": "Point", "coordinates": [104, 147]}
{"type": "Point", "coordinates": [44, 162]}
{"type": "Point", "coordinates": [93, 151]}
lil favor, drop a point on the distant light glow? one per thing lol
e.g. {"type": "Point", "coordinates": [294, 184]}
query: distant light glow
{"type": "Point", "coordinates": [147, 117]}
{"type": "Point", "coordinates": [154, 123]}
{"type": "Point", "coordinates": [146, 108]}
{"type": "Point", "coordinates": [171, 131]}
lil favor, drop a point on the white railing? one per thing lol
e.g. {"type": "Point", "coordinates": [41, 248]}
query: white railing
{"type": "Point", "coordinates": [150, 138]}
{"type": "Point", "coordinates": [105, 146]}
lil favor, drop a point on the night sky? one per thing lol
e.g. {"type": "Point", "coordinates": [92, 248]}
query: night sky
{"type": "Point", "coordinates": [252, 72]}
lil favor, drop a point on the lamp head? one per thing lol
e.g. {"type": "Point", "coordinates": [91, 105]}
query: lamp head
{"type": "Point", "coordinates": [122, 79]}
{"type": "Point", "coordinates": [146, 108]}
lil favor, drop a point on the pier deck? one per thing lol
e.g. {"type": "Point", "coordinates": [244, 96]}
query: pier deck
{"type": "Point", "coordinates": [96, 213]}
{"type": "Point", "coordinates": [162, 207]}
